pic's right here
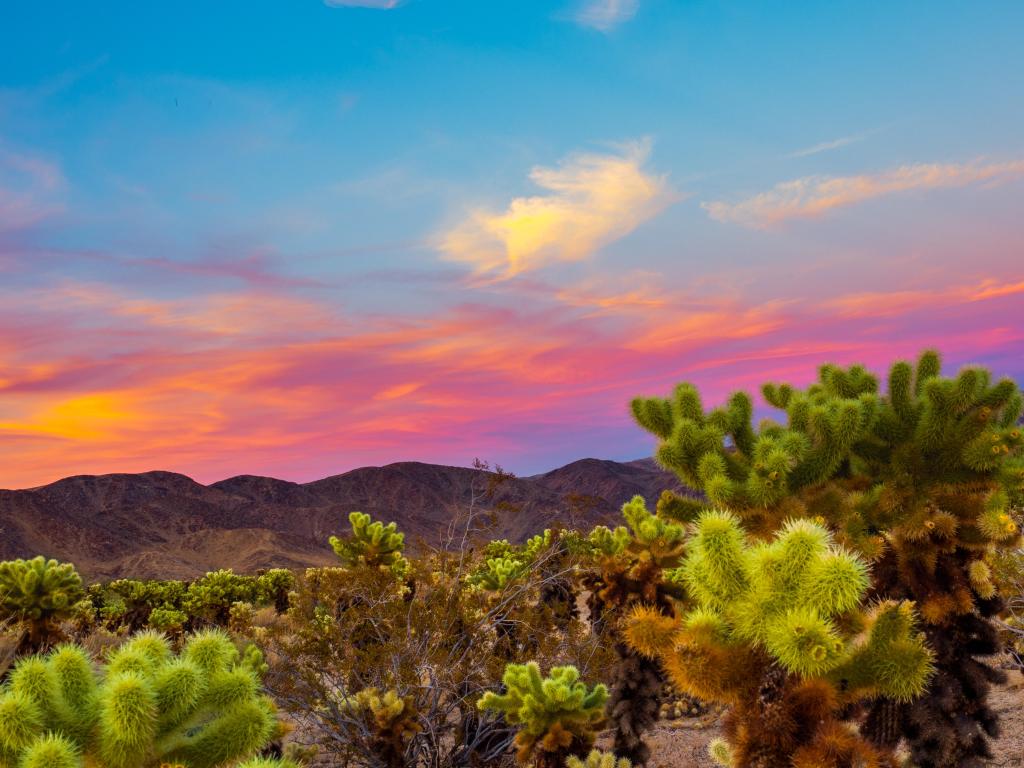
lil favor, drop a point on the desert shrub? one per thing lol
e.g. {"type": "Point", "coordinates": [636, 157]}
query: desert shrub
{"type": "Point", "coordinates": [142, 708]}
{"type": "Point", "coordinates": [355, 632]}
{"type": "Point", "coordinates": [36, 595]}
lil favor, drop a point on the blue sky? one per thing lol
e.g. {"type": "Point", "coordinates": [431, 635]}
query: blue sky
{"type": "Point", "coordinates": [380, 170]}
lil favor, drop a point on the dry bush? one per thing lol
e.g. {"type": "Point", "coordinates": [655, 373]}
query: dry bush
{"type": "Point", "coordinates": [430, 640]}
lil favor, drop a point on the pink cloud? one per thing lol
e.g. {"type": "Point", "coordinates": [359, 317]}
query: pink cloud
{"type": "Point", "coordinates": [99, 379]}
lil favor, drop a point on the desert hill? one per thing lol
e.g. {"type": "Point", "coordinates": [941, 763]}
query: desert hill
{"type": "Point", "coordinates": [163, 524]}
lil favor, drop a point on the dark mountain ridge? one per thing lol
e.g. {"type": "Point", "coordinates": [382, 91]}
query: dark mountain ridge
{"type": "Point", "coordinates": [164, 524]}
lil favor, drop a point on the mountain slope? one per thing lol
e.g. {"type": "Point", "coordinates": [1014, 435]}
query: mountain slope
{"type": "Point", "coordinates": [162, 524]}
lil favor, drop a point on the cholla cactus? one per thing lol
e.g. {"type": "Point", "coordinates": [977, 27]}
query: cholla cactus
{"type": "Point", "coordinates": [598, 759]}
{"type": "Point", "coordinates": [496, 573]}
{"type": "Point", "coordinates": [372, 544]}
{"type": "Point", "coordinates": [556, 715]}
{"type": "Point", "coordinates": [391, 719]}
{"type": "Point", "coordinates": [921, 480]}
{"type": "Point", "coordinates": [145, 707]}
{"type": "Point", "coordinates": [777, 631]}
{"type": "Point", "coordinates": [634, 564]}
{"type": "Point", "coordinates": [274, 587]}
{"type": "Point", "coordinates": [38, 593]}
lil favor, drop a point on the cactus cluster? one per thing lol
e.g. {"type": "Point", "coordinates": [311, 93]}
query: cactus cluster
{"type": "Point", "coordinates": [557, 715]}
{"type": "Point", "coordinates": [777, 631]}
{"type": "Point", "coordinates": [144, 707]}
{"type": "Point", "coordinates": [38, 594]}
{"type": "Point", "coordinates": [174, 606]}
{"type": "Point", "coordinates": [372, 544]}
{"type": "Point", "coordinates": [921, 480]}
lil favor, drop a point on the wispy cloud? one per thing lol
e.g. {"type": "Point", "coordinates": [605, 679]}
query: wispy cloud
{"type": "Point", "coordinates": [813, 196]}
{"type": "Point", "coordinates": [29, 189]}
{"type": "Point", "coordinates": [384, 5]}
{"type": "Point", "coordinates": [594, 199]}
{"type": "Point", "coordinates": [825, 146]}
{"type": "Point", "coordinates": [605, 15]}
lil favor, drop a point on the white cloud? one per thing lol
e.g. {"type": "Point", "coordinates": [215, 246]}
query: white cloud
{"type": "Point", "coordinates": [814, 196]}
{"type": "Point", "coordinates": [606, 14]}
{"type": "Point", "coordinates": [593, 200]}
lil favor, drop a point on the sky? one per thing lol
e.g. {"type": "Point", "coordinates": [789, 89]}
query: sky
{"type": "Point", "coordinates": [294, 238]}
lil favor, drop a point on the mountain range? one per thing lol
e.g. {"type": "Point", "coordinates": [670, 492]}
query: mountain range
{"type": "Point", "coordinates": [166, 525]}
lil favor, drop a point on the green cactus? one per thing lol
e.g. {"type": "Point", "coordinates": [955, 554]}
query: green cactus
{"type": "Point", "coordinates": [38, 594]}
{"type": "Point", "coordinates": [496, 573]}
{"type": "Point", "coordinates": [268, 762]}
{"type": "Point", "coordinates": [778, 631]}
{"type": "Point", "coordinates": [372, 544]}
{"type": "Point", "coordinates": [557, 716]}
{"type": "Point", "coordinates": [144, 707]}
{"type": "Point", "coordinates": [598, 759]}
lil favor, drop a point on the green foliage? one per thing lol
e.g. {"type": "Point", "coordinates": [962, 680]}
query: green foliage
{"type": "Point", "coordinates": [38, 593]}
{"type": "Point", "coordinates": [556, 715]}
{"type": "Point", "coordinates": [143, 707]}
{"type": "Point", "coordinates": [372, 544]}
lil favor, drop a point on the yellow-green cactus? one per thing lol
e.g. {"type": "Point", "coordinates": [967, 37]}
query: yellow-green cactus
{"type": "Point", "coordinates": [144, 707]}
{"type": "Point", "coordinates": [392, 720]}
{"type": "Point", "coordinates": [557, 715]}
{"type": "Point", "coordinates": [598, 759]}
{"type": "Point", "coordinates": [777, 630]}
{"type": "Point", "coordinates": [372, 544]}
{"type": "Point", "coordinates": [38, 593]}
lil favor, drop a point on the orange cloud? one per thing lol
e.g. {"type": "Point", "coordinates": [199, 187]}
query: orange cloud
{"type": "Point", "coordinates": [594, 200]}
{"type": "Point", "coordinates": [814, 196]}
{"type": "Point", "coordinates": [894, 303]}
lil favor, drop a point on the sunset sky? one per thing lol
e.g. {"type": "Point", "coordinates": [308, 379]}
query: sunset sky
{"type": "Point", "coordinates": [293, 238]}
